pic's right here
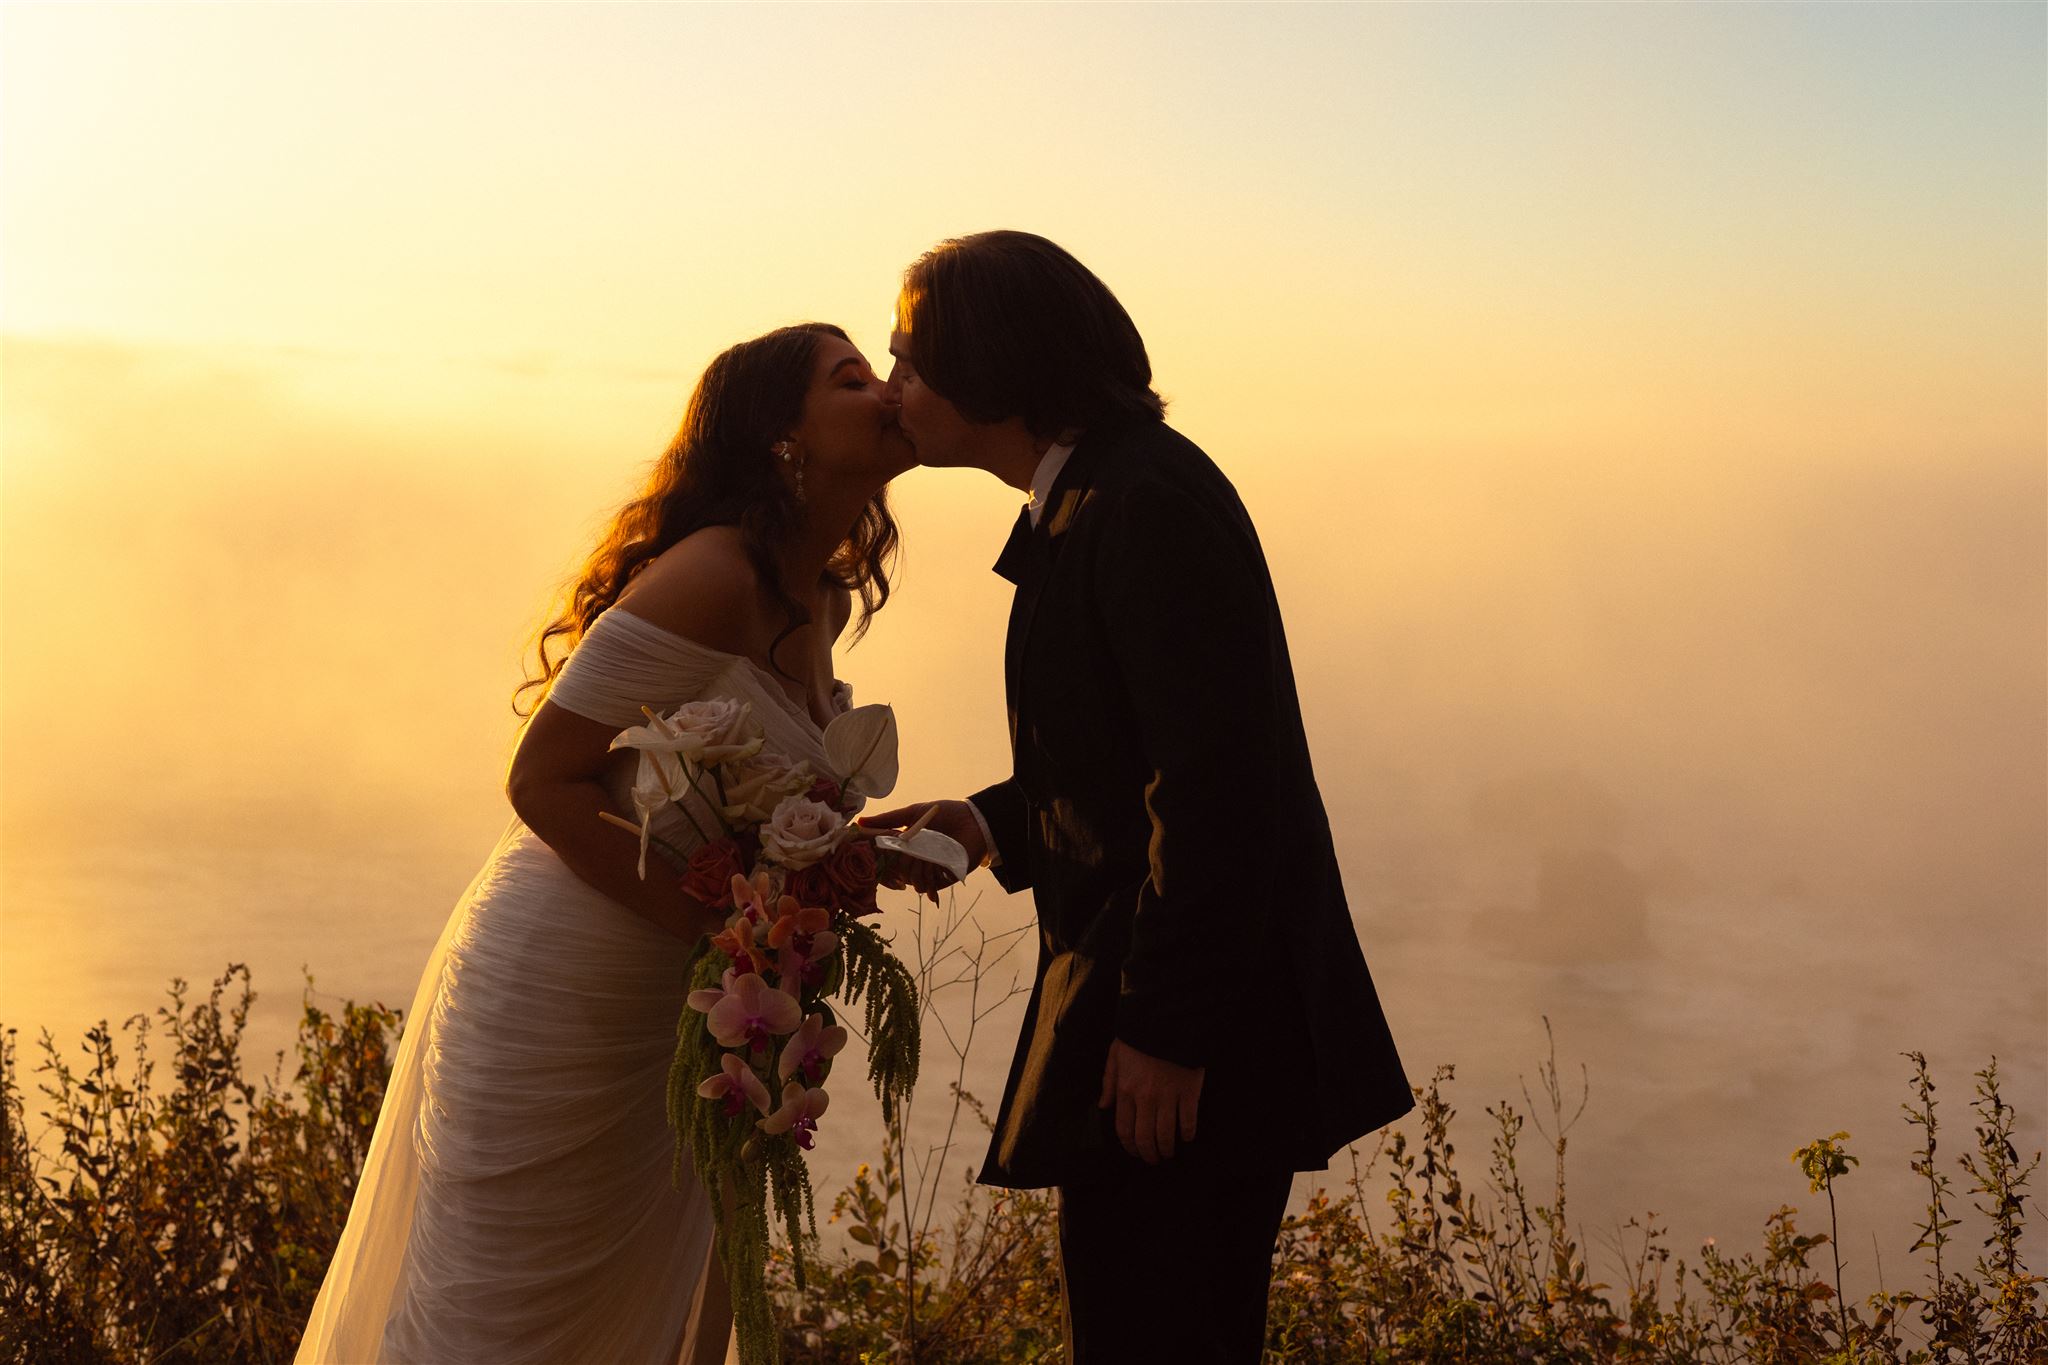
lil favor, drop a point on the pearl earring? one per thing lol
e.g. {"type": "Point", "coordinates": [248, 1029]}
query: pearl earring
{"type": "Point", "coordinates": [789, 458]}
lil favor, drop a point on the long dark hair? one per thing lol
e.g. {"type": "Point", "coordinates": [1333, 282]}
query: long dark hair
{"type": "Point", "coordinates": [1007, 324]}
{"type": "Point", "coordinates": [720, 471]}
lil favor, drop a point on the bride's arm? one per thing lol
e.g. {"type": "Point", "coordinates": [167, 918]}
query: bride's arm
{"type": "Point", "coordinates": [556, 788]}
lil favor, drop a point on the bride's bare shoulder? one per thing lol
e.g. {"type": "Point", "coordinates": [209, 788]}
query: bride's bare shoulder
{"type": "Point", "coordinates": [703, 588]}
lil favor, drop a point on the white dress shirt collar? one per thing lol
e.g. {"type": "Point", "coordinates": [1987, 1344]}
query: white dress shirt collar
{"type": "Point", "coordinates": [1049, 466]}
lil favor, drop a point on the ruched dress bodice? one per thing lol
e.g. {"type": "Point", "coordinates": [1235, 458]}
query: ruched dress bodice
{"type": "Point", "coordinates": [625, 662]}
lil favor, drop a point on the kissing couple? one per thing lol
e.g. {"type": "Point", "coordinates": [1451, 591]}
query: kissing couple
{"type": "Point", "coordinates": [1202, 1024]}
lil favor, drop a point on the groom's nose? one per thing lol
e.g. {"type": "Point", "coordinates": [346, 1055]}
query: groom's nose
{"type": "Point", "coordinates": [892, 387]}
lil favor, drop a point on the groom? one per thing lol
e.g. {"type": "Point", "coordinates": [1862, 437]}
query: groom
{"type": "Point", "coordinates": [1202, 1024]}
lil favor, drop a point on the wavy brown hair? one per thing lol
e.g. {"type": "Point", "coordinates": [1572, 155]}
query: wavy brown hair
{"type": "Point", "coordinates": [720, 471]}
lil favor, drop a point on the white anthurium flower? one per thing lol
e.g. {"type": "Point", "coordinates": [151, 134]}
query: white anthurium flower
{"type": "Point", "coordinates": [713, 731]}
{"type": "Point", "coordinates": [658, 741]}
{"type": "Point", "coordinates": [861, 746]}
{"type": "Point", "coordinates": [660, 779]}
{"type": "Point", "coordinates": [928, 845]}
{"type": "Point", "coordinates": [658, 784]}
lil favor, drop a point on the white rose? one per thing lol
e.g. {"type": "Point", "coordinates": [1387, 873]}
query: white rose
{"type": "Point", "coordinates": [801, 832]}
{"type": "Point", "coordinates": [754, 789]}
{"type": "Point", "coordinates": [714, 730]}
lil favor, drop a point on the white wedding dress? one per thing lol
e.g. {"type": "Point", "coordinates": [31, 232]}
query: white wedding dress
{"type": "Point", "coordinates": [516, 1205]}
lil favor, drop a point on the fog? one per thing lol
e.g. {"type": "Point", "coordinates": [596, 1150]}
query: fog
{"type": "Point", "coordinates": [1724, 749]}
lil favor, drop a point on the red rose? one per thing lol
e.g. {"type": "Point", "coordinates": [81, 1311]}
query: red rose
{"type": "Point", "coordinates": [853, 870]}
{"type": "Point", "coordinates": [812, 886]}
{"type": "Point", "coordinates": [825, 790]}
{"type": "Point", "coordinates": [712, 868]}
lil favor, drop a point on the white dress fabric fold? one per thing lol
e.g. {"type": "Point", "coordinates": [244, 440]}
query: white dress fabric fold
{"type": "Point", "coordinates": [516, 1206]}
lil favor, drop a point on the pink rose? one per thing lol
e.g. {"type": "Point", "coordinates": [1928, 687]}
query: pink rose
{"type": "Point", "coordinates": [802, 832]}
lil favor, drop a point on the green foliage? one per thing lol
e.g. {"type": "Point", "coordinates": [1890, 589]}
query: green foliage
{"type": "Point", "coordinates": [1408, 1263]}
{"type": "Point", "coordinates": [986, 1289]}
{"type": "Point", "coordinates": [1823, 1161]}
{"type": "Point", "coordinates": [876, 976]}
{"type": "Point", "coordinates": [192, 1221]}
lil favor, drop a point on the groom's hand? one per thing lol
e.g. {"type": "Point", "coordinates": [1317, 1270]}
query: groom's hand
{"type": "Point", "coordinates": [955, 819]}
{"type": "Point", "coordinates": [1155, 1101]}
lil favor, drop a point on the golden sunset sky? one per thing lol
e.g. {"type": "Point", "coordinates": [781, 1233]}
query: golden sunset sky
{"type": "Point", "coordinates": [1643, 397]}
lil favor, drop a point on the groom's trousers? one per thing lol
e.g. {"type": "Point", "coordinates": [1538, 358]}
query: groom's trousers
{"type": "Point", "coordinates": [1170, 1262]}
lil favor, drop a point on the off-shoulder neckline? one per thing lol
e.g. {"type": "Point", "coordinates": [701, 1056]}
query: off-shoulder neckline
{"type": "Point", "coordinates": [769, 684]}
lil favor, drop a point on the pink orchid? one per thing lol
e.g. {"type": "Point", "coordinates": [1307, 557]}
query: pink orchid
{"type": "Point", "coordinates": [803, 961]}
{"type": "Point", "coordinates": [706, 1000]}
{"type": "Point", "coordinates": [751, 1013]}
{"type": "Point", "coordinates": [799, 1113]}
{"type": "Point", "coordinates": [812, 1048]}
{"type": "Point", "coordinates": [737, 1085]}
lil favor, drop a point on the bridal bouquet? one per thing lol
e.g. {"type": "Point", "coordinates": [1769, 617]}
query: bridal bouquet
{"type": "Point", "coordinates": [781, 856]}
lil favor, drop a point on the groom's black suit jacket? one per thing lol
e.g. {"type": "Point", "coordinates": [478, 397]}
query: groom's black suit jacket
{"type": "Point", "coordinates": [1163, 812]}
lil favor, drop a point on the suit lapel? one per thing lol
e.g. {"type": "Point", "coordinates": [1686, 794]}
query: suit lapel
{"type": "Point", "coordinates": [1016, 550]}
{"type": "Point", "coordinates": [1028, 561]}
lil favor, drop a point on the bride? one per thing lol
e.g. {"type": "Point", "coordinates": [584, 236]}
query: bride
{"type": "Point", "coordinates": [516, 1205]}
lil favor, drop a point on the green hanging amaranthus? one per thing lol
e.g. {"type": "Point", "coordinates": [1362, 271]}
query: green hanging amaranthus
{"type": "Point", "coordinates": [756, 1179]}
